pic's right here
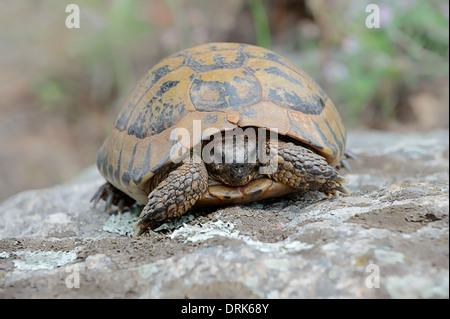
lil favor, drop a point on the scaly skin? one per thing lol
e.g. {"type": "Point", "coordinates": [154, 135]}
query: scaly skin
{"type": "Point", "coordinates": [305, 170]}
{"type": "Point", "coordinates": [174, 196]}
{"type": "Point", "coordinates": [298, 167]}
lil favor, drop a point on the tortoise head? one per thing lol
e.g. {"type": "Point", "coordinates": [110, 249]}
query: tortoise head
{"type": "Point", "coordinates": [234, 161]}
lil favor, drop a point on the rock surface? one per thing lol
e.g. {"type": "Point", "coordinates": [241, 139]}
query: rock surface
{"type": "Point", "coordinates": [388, 239]}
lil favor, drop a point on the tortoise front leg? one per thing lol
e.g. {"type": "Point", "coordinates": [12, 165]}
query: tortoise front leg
{"type": "Point", "coordinates": [173, 196]}
{"type": "Point", "coordinates": [305, 170]}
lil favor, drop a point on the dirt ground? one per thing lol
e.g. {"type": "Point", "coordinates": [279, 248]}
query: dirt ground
{"type": "Point", "coordinates": [299, 246]}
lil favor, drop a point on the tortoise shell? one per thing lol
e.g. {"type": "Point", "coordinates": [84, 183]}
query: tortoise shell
{"type": "Point", "coordinates": [225, 86]}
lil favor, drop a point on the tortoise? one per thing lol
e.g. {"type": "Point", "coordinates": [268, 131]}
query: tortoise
{"type": "Point", "coordinates": [224, 88]}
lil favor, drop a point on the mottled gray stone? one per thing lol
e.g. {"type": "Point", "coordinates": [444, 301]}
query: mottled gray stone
{"type": "Point", "coordinates": [388, 239]}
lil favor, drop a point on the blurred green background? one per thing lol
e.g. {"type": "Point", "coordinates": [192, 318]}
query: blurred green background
{"type": "Point", "coordinates": [61, 88]}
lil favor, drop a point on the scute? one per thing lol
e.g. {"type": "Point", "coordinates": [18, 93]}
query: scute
{"type": "Point", "coordinates": [214, 46]}
{"type": "Point", "coordinates": [213, 60]}
{"type": "Point", "coordinates": [225, 89]}
{"type": "Point", "coordinates": [286, 87]}
{"type": "Point", "coordinates": [222, 86]}
{"type": "Point", "coordinates": [143, 91]}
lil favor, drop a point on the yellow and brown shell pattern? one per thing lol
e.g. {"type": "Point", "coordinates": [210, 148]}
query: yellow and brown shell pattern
{"type": "Point", "coordinates": [224, 85]}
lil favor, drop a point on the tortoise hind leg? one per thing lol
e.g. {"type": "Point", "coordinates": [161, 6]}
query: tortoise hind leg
{"type": "Point", "coordinates": [305, 170]}
{"type": "Point", "coordinates": [112, 196]}
{"type": "Point", "coordinates": [173, 196]}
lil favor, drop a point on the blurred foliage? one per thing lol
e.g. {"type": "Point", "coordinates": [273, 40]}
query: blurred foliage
{"type": "Point", "coordinates": [261, 23]}
{"type": "Point", "coordinates": [62, 87]}
{"type": "Point", "coordinates": [118, 41]}
{"type": "Point", "coordinates": [377, 66]}
{"type": "Point", "coordinates": [361, 69]}
{"type": "Point", "coordinates": [104, 55]}
{"type": "Point", "coordinates": [110, 45]}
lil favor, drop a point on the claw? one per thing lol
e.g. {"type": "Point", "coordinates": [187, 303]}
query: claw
{"type": "Point", "coordinates": [112, 197]}
{"type": "Point", "coordinates": [95, 199]}
{"type": "Point", "coordinates": [340, 180]}
{"type": "Point", "coordinates": [97, 196]}
{"type": "Point", "coordinates": [108, 204]}
{"type": "Point", "coordinates": [139, 228]}
{"type": "Point", "coordinates": [121, 205]}
{"type": "Point", "coordinates": [343, 190]}
{"type": "Point", "coordinates": [345, 164]}
{"type": "Point", "coordinates": [349, 154]}
{"type": "Point", "coordinates": [139, 232]}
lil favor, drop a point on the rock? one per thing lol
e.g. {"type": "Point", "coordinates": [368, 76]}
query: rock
{"type": "Point", "coordinates": [388, 239]}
